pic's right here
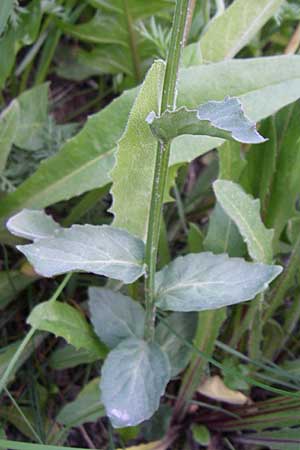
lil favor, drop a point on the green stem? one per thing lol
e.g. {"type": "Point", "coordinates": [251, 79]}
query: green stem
{"type": "Point", "coordinates": [133, 43]}
{"type": "Point", "coordinates": [284, 282]}
{"type": "Point", "coordinates": [168, 101]}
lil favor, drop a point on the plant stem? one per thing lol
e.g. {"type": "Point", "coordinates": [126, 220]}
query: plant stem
{"type": "Point", "coordinates": [168, 101]}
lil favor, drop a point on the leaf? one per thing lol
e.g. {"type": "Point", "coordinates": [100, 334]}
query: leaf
{"type": "Point", "coordinates": [74, 171]}
{"type": "Point", "coordinates": [215, 388]}
{"type": "Point", "coordinates": [8, 127]}
{"type": "Point", "coordinates": [134, 376]}
{"type": "Point", "coordinates": [11, 284]}
{"type": "Point", "coordinates": [283, 439]}
{"type": "Point", "coordinates": [231, 160]}
{"type": "Point", "coordinates": [223, 235]}
{"type": "Point", "coordinates": [201, 434]}
{"type": "Point", "coordinates": [115, 316]}
{"type": "Point", "coordinates": [136, 159]}
{"type": "Point", "coordinates": [245, 212]}
{"type": "Point", "coordinates": [67, 322]}
{"type": "Point", "coordinates": [6, 9]}
{"type": "Point", "coordinates": [285, 184]}
{"type": "Point", "coordinates": [228, 33]}
{"type": "Point", "coordinates": [204, 281]}
{"type": "Point", "coordinates": [33, 118]}
{"type": "Point", "coordinates": [67, 357]}
{"type": "Point", "coordinates": [85, 408]}
{"type": "Point", "coordinates": [224, 119]}
{"type": "Point", "coordinates": [102, 250]}
{"type": "Point", "coordinates": [185, 325]}
{"type": "Point", "coordinates": [33, 225]}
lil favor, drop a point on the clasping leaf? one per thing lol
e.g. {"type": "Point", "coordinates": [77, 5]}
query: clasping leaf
{"type": "Point", "coordinates": [102, 250]}
{"type": "Point", "coordinates": [223, 119]}
{"type": "Point", "coordinates": [204, 281]}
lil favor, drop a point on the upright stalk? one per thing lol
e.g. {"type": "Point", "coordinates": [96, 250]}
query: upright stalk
{"type": "Point", "coordinates": [181, 16]}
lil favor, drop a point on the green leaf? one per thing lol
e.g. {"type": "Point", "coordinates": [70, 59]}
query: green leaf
{"type": "Point", "coordinates": [8, 127]}
{"type": "Point", "coordinates": [67, 322]}
{"type": "Point", "coordinates": [134, 376]}
{"type": "Point", "coordinates": [204, 281]}
{"type": "Point", "coordinates": [285, 184]}
{"type": "Point", "coordinates": [228, 33]}
{"type": "Point", "coordinates": [245, 212]}
{"type": "Point", "coordinates": [185, 325]}
{"type": "Point", "coordinates": [6, 9]}
{"type": "Point", "coordinates": [231, 161]}
{"type": "Point", "coordinates": [136, 159]}
{"type": "Point", "coordinates": [87, 407]}
{"type": "Point", "coordinates": [33, 118]}
{"type": "Point", "coordinates": [67, 357]}
{"type": "Point", "coordinates": [33, 225]}
{"type": "Point", "coordinates": [201, 434]}
{"type": "Point", "coordinates": [12, 282]}
{"type": "Point", "coordinates": [115, 316]}
{"type": "Point", "coordinates": [102, 250]}
{"type": "Point", "coordinates": [74, 171]}
{"type": "Point", "coordinates": [223, 235]}
{"type": "Point", "coordinates": [223, 119]}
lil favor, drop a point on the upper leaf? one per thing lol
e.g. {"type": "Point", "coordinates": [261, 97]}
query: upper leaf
{"type": "Point", "coordinates": [203, 281]}
{"type": "Point", "coordinates": [134, 169]}
{"type": "Point", "coordinates": [224, 119]}
{"type": "Point", "coordinates": [134, 376]}
{"type": "Point", "coordinates": [32, 224]}
{"type": "Point", "coordinates": [245, 212]}
{"type": "Point", "coordinates": [115, 316]}
{"type": "Point", "coordinates": [102, 250]}
{"type": "Point", "coordinates": [65, 321]}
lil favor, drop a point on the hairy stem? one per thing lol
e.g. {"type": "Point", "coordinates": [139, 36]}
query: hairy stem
{"type": "Point", "coordinates": [168, 101]}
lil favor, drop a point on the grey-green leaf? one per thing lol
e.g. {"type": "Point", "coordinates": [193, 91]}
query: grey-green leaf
{"type": "Point", "coordinates": [65, 321]}
{"type": "Point", "coordinates": [205, 281]}
{"type": "Point", "coordinates": [115, 316]}
{"type": "Point", "coordinates": [223, 119]}
{"type": "Point", "coordinates": [102, 250]}
{"type": "Point", "coordinates": [245, 212]}
{"type": "Point", "coordinates": [134, 377]}
{"type": "Point", "coordinates": [185, 325]}
{"type": "Point", "coordinates": [32, 224]}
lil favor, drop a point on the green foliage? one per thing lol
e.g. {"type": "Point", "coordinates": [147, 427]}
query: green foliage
{"type": "Point", "coordinates": [65, 321]}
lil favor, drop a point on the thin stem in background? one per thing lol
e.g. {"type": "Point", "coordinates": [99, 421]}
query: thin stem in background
{"type": "Point", "coordinates": [181, 17]}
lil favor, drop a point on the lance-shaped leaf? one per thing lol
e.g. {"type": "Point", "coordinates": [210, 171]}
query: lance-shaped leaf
{"type": "Point", "coordinates": [224, 119]}
{"type": "Point", "coordinates": [102, 250]}
{"type": "Point", "coordinates": [134, 377]}
{"type": "Point", "coordinates": [204, 281]}
{"type": "Point", "coordinates": [245, 213]}
{"type": "Point", "coordinates": [32, 224]}
{"type": "Point", "coordinates": [8, 128]}
{"type": "Point", "coordinates": [115, 316]}
{"type": "Point", "coordinates": [65, 321]}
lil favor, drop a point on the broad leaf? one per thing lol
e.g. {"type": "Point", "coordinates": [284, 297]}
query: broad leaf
{"type": "Point", "coordinates": [68, 356]}
{"type": "Point", "coordinates": [102, 250]}
{"type": "Point", "coordinates": [223, 235]}
{"type": "Point", "coordinates": [185, 325]}
{"type": "Point", "coordinates": [85, 408]}
{"type": "Point", "coordinates": [229, 33]}
{"type": "Point", "coordinates": [74, 171]}
{"type": "Point", "coordinates": [134, 169]}
{"type": "Point", "coordinates": [231, 160]}
{"type": "Point", "coordinates": [134, 377]}
{"type": "Point", "coordinates": [67, 322]}
{"type": "Point", "coordinates": [245, 212]}
{"type": "Point", "coordinates": [33, 225]}
{"type": "Point", "coordinates": [115, 316]}
{"type": "Point", "coordinates": [224, 119]}
{"type": "Point", "coordinates": [198, 282]}
{"type": "Point", "coordinates": [11, 284]}
{"type": "Point", "coordinates": [8, 128]}
{"type": "Point", "coordinates": [6, 10]}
